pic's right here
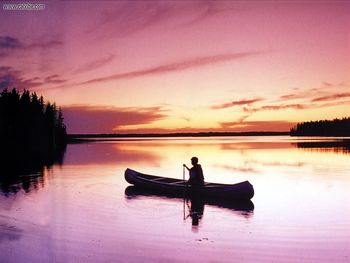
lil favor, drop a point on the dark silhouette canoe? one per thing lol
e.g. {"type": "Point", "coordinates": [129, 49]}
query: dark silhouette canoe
{"type": "Point", "coordinates": [239, 191]}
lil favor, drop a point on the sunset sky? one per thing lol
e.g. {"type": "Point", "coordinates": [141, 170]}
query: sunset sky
{"type": "Point", "coordinates": [182, 66]}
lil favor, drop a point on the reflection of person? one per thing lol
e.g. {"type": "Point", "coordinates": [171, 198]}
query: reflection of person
{"type": "Point", "coordinates": [196, 209]}
{"type": "Point", "coordinates": [196, 173]}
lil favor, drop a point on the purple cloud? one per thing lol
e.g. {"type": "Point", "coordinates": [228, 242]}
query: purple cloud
{"type": "Point", "coordinates": [94, 64]}
{"type": "Point", "coordinates": [54, 79]}
{"type": "Point", "coordinates": [208, 9]}
{"type": "Point", "coordinates": [10, 78]}
{"type": "Point", "coordinates": [44, 45]}
{"type": "Point", "coordinates": [8, 45]}
{"type": "Point", "coordinates": [89, 119]}
{"type": "Point", "coordinates": [175, 66]}
{"type": "Point", "coordinates": [9, 42]}
{"type": "Point", "coordinates": [145, 14]}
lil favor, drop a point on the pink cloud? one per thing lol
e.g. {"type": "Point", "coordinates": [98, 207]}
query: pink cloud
{"type": "Point", "coordinates": [236, 103]}
{"type": "Point", "coordinates": [297, 106]}
{"type": "Point", "coordinates": [246, 126]}
{"type": "Point", "coordinates": [311, 93]}
{"type": "Point", "coordinates": [332, 97]}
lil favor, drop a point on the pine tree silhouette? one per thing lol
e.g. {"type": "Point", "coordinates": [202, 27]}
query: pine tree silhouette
{"type": "Point", "coordinates": [25, 119]}
{"type": "Point", "coordinates": [336, 127]}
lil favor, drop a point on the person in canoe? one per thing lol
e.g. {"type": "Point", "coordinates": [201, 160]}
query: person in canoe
{"type": "Point", "coordinates": [196, 173]}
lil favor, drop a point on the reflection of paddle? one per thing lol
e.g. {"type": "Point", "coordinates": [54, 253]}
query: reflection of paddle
{"type": "Point", "coordinates": [183, 177]}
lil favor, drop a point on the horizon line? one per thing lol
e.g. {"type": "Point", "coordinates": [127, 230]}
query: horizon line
{"type": "Point", "coordinates": [177, 134]}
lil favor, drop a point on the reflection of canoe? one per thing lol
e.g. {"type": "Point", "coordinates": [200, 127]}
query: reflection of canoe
{"type": "Point", "coordinates": [247, 206]}
{"type": "Point", "coordinates": [228, 192]}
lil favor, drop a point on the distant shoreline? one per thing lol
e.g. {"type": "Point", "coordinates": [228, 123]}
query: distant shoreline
{"type": "Point", "coordinates": [77, 137]}
{"type": "Point", "coordinates": [87, 137]}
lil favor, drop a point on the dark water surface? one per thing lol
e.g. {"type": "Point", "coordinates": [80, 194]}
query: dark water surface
{"type": "Point", "coordinates": [80, 210]}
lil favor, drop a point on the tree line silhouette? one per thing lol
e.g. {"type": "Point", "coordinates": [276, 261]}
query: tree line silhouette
{"type": "Point", "coordinates": [26, 120]}
{"type": "Point", "coordinates": [335, 127]}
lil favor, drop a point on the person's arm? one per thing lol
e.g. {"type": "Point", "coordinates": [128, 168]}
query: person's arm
{"type": "Point", "coordinates": [184, 165]}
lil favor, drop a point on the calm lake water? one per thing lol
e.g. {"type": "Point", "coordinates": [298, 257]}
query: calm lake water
{"type": "Point", "coordinates": [79, 210]}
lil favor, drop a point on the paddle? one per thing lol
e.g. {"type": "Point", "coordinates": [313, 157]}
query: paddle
{"type": "Point", "coordinates": [183, 177]}
{"type": "Point", "coordinates": [183, 173]}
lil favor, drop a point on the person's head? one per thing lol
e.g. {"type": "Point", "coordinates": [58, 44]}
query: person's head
{"type": "Point", "coordinates": [194, 160]}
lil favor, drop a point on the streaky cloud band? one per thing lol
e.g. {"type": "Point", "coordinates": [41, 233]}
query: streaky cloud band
{"type": "Point", "coordinates": [191, 63]}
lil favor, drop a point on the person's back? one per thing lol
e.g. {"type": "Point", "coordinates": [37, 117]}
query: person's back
{"type": "Point", "coordinates": [196, 173]}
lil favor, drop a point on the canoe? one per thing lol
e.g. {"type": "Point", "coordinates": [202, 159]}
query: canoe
{"type": "Point", "coordinates": [240, 191]}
